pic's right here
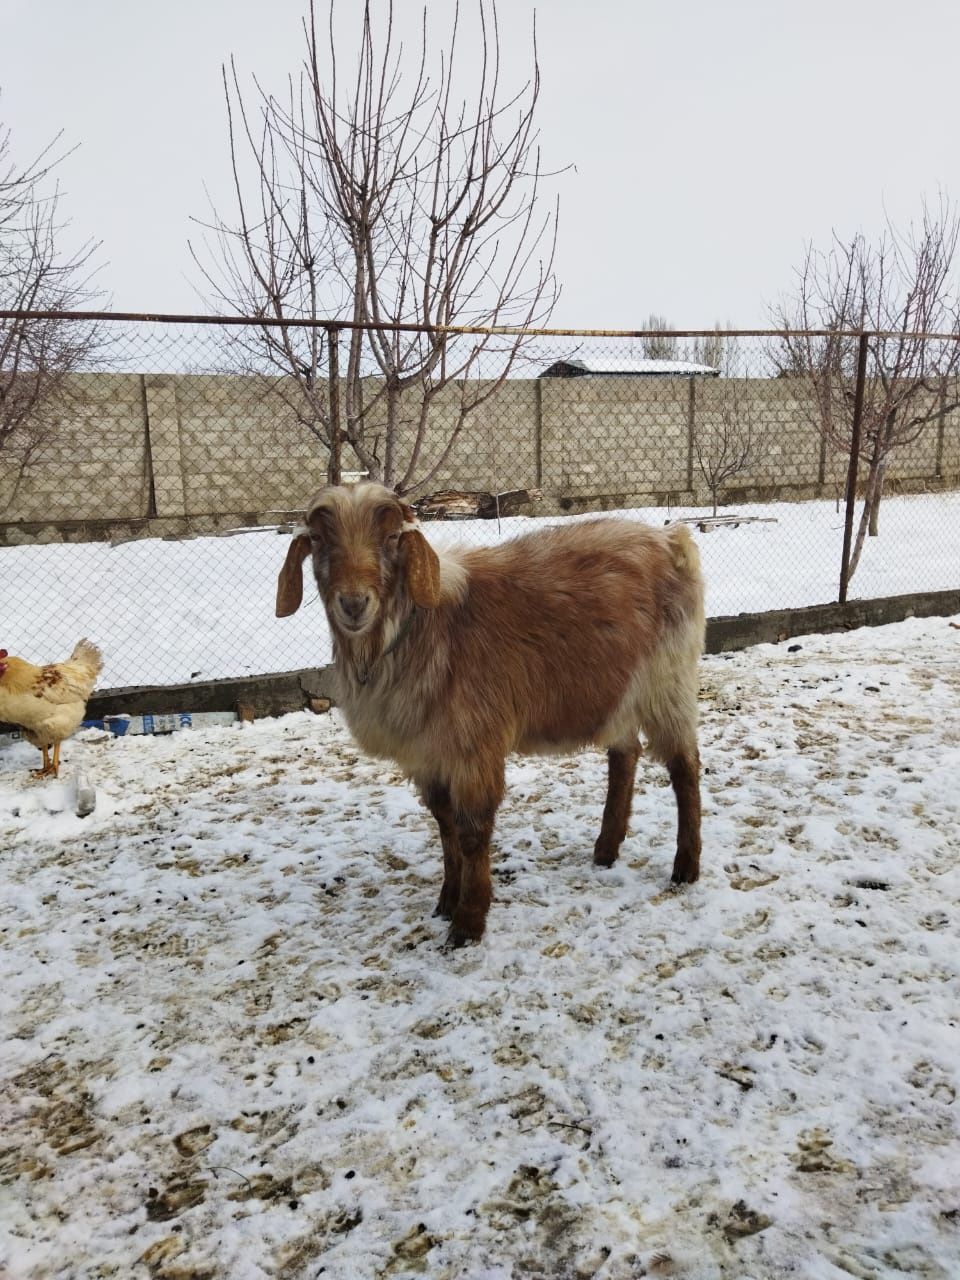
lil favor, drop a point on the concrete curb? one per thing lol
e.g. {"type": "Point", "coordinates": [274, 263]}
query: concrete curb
{"type": "Point", "coordinates": [281, 692]}
{"type": "Point", "coordinates": [746, 629]}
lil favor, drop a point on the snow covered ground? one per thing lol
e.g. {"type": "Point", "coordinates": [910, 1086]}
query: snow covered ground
{"type": "Point", "coordinates": [235, 1048]}
{"type": "Point", "coordinates": [171, 612]}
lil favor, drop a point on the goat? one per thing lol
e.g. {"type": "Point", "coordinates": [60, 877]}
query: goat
{"type": "Point", "coordinates": [445, 663]}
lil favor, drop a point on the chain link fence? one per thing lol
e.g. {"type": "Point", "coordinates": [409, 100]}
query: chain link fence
{"type": "Point", "coordinates": [146, 492]}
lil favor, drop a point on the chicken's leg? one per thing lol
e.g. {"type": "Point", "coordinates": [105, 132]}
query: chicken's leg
{"type": "Point", "coordinates": [48, 768]}
{"type": "Point", "coordinates": [56, 759]}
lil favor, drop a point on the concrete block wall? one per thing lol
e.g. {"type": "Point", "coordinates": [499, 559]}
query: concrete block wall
{"type": "Point", "coordinates": [152, 453]}
{"type": "Point", "coordinates": [613, 435]}
{"type": "Point", "coordinates": [95, 458]}
{"type": "Point", "coordinates": [917, 460]}
{"type": "Point", "coordinates": [496, 447]}
{"type": "Point", "coordinates": [779, 414]}
{"type": "Point", "coordinates": [242, 448]}
{"type": "Point", "coordinates": [950, 452]}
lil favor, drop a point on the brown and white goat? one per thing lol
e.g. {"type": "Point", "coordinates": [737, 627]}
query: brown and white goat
{"type": "Point", "coordinates": [589, 632]}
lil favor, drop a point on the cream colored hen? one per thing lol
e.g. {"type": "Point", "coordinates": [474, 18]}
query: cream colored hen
{"type": "Point", "coordinates": [48, 703]}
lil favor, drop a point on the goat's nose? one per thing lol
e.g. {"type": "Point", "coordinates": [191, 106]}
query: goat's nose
{"type": "Point", "coordinates": [354, 607]}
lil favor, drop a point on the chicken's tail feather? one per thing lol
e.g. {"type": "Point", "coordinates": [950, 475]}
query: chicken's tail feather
{"type": "Point", "coordinates": [87, 652]}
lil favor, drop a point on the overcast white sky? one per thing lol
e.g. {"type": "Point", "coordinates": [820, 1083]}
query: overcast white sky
{"type": "Point", "coordinates": [709, 139]}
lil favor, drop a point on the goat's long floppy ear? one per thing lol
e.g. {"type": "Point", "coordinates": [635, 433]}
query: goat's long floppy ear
{"type": "Point", "coordinates": [290, 582]}
{"type": "Point", "coordinates": [421, 567]}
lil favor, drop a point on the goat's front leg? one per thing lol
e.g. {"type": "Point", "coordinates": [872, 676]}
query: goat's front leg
{"type": "Point", "coordinates": [476, 889]}
{"type": "Point", "coordinates": [436, 796]}
{"type": "Point", "coordinates": [621, 772]}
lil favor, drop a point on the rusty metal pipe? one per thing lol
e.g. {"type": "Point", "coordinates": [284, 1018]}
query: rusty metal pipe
{"type": "Point", "coordinates": [502, 331]}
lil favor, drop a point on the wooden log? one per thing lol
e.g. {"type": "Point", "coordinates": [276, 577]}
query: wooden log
{"type": "Point", "coordinates": [465, 504]}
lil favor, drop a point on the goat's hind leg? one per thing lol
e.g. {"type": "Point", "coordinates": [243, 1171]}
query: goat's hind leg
{"type": "Point", "coordinates": [436, 796]}
{"type": "Point", "coordinates": [621, 772]}
{"type": "Point", "coordinates": [684, 770]}
{"type": "Point", "coordinates": [672, 738]}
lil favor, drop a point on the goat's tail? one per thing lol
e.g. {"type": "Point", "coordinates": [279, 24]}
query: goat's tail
{"type": "Point", "coordinates": [690, 599]}
{"type": "Point", "coordinates": [684, 551]}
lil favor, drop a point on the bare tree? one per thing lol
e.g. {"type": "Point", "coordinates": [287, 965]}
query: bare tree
{"type": "Point", "coordinates": [728, 440]}
{"type": "Point", "coordinates": [37, 356]}
{"type": "Point", "coordinates": [659, 344]}
{"type": "Point", "coordinates": [718, 350]}
{"type": "Point", "coordinates": [384, 199]}
{"type": "Point", "coordinates": [901, 289]}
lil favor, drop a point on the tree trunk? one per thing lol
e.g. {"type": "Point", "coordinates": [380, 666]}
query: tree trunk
{"type": "Point", "coordinates": [333, 406]}
{"type": "Point", "coordinates": [390, 444]}
{"type": "Point", "coordinates": [871, 501]}
{"type": "Point", "coordinates": [875, 504]}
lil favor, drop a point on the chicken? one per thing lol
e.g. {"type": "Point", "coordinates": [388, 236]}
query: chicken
{"type": "Point", "coordinates": [48, 703]}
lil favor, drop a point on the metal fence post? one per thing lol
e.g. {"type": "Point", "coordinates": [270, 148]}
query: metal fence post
{"type": "Point", "coordinates": [691, 430]}
{"type": "Point", "coordinates": [538, 432]}
{"type": "Point", "coordinates": [854, 461]}
{"type": "Point", "coordinates": [333, 384]}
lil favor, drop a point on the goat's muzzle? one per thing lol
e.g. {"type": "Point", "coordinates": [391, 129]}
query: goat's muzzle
{"type": "Point", "coordinates": [355, 611]}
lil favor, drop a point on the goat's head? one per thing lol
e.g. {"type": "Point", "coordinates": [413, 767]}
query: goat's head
{"type": "Point", "coordinates": [368, 555]}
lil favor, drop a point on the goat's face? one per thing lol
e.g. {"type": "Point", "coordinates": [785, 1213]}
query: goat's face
{"type": "Point", "coordinates": [367, 555]}
{"type": "Point", "coordinates": [355, 539]}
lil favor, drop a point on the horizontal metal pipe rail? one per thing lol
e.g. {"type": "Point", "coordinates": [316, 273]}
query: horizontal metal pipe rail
{"type": "Point", "coordinates": [144, 317]}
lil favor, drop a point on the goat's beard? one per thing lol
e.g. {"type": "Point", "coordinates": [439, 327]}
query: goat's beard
{"type": "Point", "coordinates": [358, 653]}
{"type": "Point", "coordinates": [362, 651]}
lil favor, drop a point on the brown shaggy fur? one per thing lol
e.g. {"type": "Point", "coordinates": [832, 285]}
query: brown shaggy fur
{"type": "Point", "coordinates": [586, 633]}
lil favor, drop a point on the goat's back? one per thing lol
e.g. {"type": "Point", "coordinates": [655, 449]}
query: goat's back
{"type": "Point", "coordinates": [559, 629]}
{"type": "Point", "coordinates": [603, 576]}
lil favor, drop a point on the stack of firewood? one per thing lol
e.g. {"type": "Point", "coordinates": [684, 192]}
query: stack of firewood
{"type": "Point", "coordinates": [461, 504]}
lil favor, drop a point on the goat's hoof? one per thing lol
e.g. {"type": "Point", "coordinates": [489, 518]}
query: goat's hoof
{"type": "Point", "coordinates": [685, 872]}
{"type": "Point", "coordinates": [456, 938]}
{"type": "Point", "coordinates": [447, 903]}
{"type": "Point", "coordinates": [604, 856]}
{"type": "Point", "coordinates": [465, 928]}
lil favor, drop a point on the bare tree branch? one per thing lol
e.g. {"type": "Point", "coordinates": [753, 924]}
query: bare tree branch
{"type": "Point", "coordinates": [729, 439]}
{"type": "Point", "coordinates": [902, 287]}
{"type": "Point", "coordinates": [660, 344]}
{"type": "Point", "coordinates": [385, 199]}
{"type": "Point", "coordinates": [37, 356]}
{"type": "Point", "coordinates": [717, 350]}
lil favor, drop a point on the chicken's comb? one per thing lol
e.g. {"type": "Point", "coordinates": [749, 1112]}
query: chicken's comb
{"type": "Point", "coordinates": [4, 654]}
